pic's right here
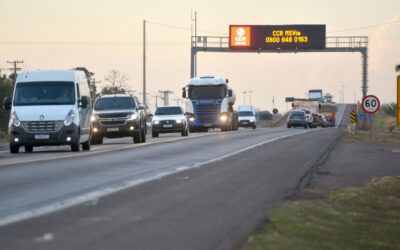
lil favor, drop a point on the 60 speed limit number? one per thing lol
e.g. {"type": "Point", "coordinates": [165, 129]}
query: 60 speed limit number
{"type": "Point", "coordinates": [371, 104]}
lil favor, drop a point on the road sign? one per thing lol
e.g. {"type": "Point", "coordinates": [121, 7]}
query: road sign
{"type": "Point", "coordinates": [367, 117]}
{"type": "Point", "coordinates": [360, 117]}
{"type": "Point", "coordinates": [370, 104]}
{"type": "Point", "coordinates": [277, 37]}
{"type": "Point", "coordinates": [353, 117]}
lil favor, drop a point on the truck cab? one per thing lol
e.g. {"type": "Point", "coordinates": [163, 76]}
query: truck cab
{"type": "Point", "coordinates": [210, 104]}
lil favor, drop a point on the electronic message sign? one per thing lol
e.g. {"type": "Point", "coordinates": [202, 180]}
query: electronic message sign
{"type": "Point", "coordinates": [274, 37]}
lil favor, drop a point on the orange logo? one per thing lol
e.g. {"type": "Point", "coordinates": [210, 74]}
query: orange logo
{"type": "Point", "coordinates": [240, 36]}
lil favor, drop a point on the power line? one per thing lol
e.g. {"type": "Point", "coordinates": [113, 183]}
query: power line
{"type": "Point", "coordinates": [90, 43]}
{"type": "Point", "coordinates": [363, 27]}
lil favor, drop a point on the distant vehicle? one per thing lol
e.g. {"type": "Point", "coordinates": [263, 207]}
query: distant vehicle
{"type": "Point", "coordinates": [328, 98]}
{"type": "Point", "coordinates": [50, 107]}
{"type": "Point", "coordinates": [247, 116]}
{"type": "Point", "coordinates": [116, 116]}
{"type": "Point", "coordinates": [169, 119]}
{"type": "Point", "coordinates": [321, 121]}
{"type": "Point", "coordinates": [210, 104]}
{"type": "Point", "coordinates": [315, 95]}
{"type": "Point", "coordinates": [311, 122]}
{"type": "Point", "coordinates": [297, 118]}
{"type": "Point", "coordinates": [329, 111]}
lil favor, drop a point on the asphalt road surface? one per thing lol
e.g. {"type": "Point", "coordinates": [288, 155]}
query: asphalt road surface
{"type": "Point", "coordinates": [205, 191]}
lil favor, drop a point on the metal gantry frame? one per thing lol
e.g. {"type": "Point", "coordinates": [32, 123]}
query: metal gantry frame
{"type": "Point", "coordinates": [333, 44]}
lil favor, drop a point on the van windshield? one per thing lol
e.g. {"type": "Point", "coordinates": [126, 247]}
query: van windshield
{"type": "Point", "coordinates": [245, 113]}
{"type": "Point", "coordinates": [114, 103]}
{"type": "Point", "coordinates": [44, 93]}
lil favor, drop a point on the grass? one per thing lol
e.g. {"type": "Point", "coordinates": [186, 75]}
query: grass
{"type": "Point", "coordinates": [354, 218]}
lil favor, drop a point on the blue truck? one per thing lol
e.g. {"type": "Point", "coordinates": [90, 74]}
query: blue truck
{"type": "Point", "coordinates": [210, 104]}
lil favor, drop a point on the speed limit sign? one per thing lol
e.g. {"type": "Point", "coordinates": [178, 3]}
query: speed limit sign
{"type": "Point", "coordinates": [370, 104]}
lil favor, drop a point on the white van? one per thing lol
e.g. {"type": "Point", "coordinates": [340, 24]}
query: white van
{"type": "Point", "coordinates": [50, 108]}
{"type": "Point", "coordinates": [247, 116]}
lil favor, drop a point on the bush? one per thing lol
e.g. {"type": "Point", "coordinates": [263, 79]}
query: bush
{"type": "Point", "coordinates": [390, 108]}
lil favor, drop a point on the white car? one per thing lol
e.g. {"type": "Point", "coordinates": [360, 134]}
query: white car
{"type": "Point", "coordinates": [169, 119]}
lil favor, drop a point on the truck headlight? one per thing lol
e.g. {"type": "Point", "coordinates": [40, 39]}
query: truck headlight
{"type": "Point", "coordinates": [132, 116]}
{"type": "Point", "coordinates": [70, 118]}
{"type": "Point", "coordinates": [191, 119]}
{"type": "Point", "coordinates": [156, 122]}
{"type": "Point", "coordinates": [224, 118]}
{"type": "Point", "coordinates": [93, 118]}
{"type": "Point", "coordinates": [15, 119]}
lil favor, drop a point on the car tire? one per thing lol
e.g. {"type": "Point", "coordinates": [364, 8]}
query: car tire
{"type": "Point", "coordinates": [28, 148]}
{"type": "Point", "coordinates": [305, 127]}
{"type": "Point", "coordinates": [254, 127]}
{"type": "Point", "coordinates": [154, 134]}
{"type": "Point", "coordinates": [75, 147]}
{"type": "Point", "coordinates": [137, 138]}
{"type": "Point", "coordinates": [143, 135]}
{"type": "Point", "coordinates": [14, 149]}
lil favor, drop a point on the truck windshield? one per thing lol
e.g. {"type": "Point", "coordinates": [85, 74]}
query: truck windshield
{"type": "Point", "coordinates": [44, 93]}
{"type": "Point", "coordinates": [245, 113]}
{"type": "Point", "coordinates": [207, 92]}
{"type": "Point", "coordinates": [315, 95]}
{"type": "Point", "coordinates": [169, 111]}
{"type": "Point", "coordinates": [114, 103]}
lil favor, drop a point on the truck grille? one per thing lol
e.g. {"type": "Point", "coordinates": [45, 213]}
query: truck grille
{"type": "Point", "coordinates": [112, 123]}
{"type": "Point", "coordinates": [42, 126]}
{"type": "Point", "coordinates": [208, 113]}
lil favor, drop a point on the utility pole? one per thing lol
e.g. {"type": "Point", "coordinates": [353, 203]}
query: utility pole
{"type": "Point", "coordinates": [143, 96]}
{"type": "Point", "coordinates": [93, 88]}
{"type": "Point", "coordinates": [193, 43]}
{"type": "Point", "coordinates": [273, 102]}
{"type": "Point", "coordinates": [244, 97]}
{"type": "Point", "coordinates": [16, 68]}
{"type": "Point", "coordinates": [250, 92]}
{"type": "Point", "coordinates": [342, 93]}
{"type": "Point", "coordinates": [156, 96]}
{"type": "Point", "coordinates": [144, 62]}
{"type": "Point", "coordinates": [166, 96]}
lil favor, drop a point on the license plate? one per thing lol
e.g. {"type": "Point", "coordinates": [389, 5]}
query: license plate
{"type": "Point", "coordinates": [112, 129]}
{"type": "Point", "coordinates": [245, 122]}
{"type": "Point", "coordinates": [167, 125]}
{"type": "Point", "coordinates": [207, 125]}
{"type": "Point", "coordinates": [42, 136]}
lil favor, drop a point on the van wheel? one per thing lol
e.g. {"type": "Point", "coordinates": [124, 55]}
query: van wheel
{"type": "Point", "coordinates": [75, 147]}
{"type": "Point", "coordinates": [28, 148]}
{"type": "Point", "coordinates": [14, 149]}
{"type": "Point", "coordinates": [86, 145]}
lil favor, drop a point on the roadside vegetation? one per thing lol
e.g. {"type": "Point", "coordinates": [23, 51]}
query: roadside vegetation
{"type": "Point", "coordinates": [385, 128]}
{"type": "Point", "coordinates": [354, 218]}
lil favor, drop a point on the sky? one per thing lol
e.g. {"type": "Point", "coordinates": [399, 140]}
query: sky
{"type": "Point", "coordinates": [104, 35]}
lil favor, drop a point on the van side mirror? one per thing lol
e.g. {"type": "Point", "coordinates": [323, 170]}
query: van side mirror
{"type": "Point", "coordinates": [7, 103]}
{"type": "Point", "coordinates": [84, 102]}
{"type": "Point", "coordinates": [183, 93]}
{"type": "Point", "coordinates": [230, 93]}
{"type": "Point", "coordinates": [141, 106]}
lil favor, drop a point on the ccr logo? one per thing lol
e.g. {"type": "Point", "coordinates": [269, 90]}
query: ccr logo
{"type": "Point", "coordinates": [240, 36]}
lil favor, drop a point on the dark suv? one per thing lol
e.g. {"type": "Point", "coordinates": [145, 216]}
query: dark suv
{"type": "Point", "coordinates": [116, 116]}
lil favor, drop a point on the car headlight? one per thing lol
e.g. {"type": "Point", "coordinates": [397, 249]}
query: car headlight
{"type": "Point", "coordinates": [15, 119]}
{"type": "Point", "coordinates": [93, 118]}
{"type": "Point", "coordinates": [156, 122]}
{"type": "Point", "coordinates": [224, 118]}
{"type": "Point", "coordinates": [191, 119]}
{"type": "Point", "coordinates": [251, 120]}
{"type": "Point", "coordinates": [132, 116]}
{"type": "Point", "coordinates": [70, 118]}
{"type": "Point", "coordinates": [178, 121]}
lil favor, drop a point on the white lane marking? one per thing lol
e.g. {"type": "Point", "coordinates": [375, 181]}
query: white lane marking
{"type": "Point", "coordinates": [341, 115]}
{"type": "Point", "coordinates": [93, 195]}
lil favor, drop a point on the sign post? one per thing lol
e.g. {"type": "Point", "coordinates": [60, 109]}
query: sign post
{"type": "Point", "coordinates": [370, 105]}
{"type": "Point", "coordinates": [398, 100]}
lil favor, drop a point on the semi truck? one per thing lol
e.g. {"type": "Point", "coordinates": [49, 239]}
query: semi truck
{"type": "Point", "coordinates": [210, 103]}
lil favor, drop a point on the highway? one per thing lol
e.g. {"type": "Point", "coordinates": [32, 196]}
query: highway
{"type": "Point", "coordinates": [205, 191]}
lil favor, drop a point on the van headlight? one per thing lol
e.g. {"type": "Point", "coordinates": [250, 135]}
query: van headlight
{"type": "Point", "coordinates": [70, 118]}
{"type": "Point", "coordinates": [132, 116]}
{"type": "Point", "coordinates": [15, 120]}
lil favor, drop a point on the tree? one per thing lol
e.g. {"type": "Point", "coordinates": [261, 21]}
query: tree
{"type": "Point", "coordinates": [117, 81]}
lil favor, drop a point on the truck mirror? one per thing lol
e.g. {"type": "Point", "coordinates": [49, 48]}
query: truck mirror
{"type": "Point", "coordinates": [230, 93]}
{"type": "Point", "coordinates": [7, 103]}
{"type": "Point", "coordinates": [83, 103]}
{"type": "Point", "coordinates": [183, 93]}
